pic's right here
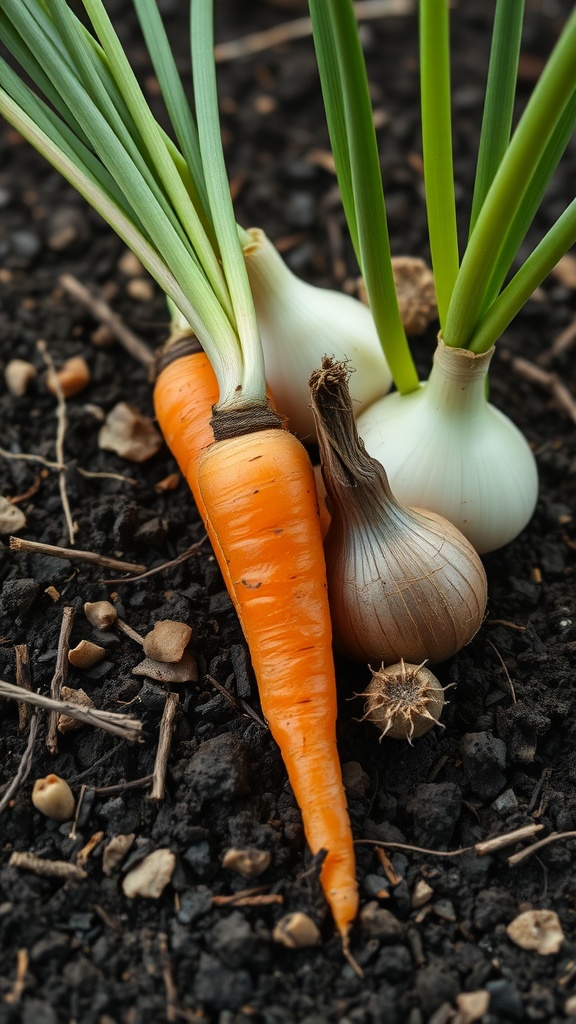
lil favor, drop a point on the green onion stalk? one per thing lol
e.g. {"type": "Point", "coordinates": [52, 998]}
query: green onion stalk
{"type": "Point", "coordinates": [444, 446]}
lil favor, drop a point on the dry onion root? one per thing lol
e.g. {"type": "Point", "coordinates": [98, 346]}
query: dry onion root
{"type": "Point", "coordinates": [403, 701]}
{"type": "Point", "coordinates": [402, 583]}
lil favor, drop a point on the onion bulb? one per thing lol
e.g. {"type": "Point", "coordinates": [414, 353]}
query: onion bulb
{"type": "Point", "coordinates": [447, 449]}
{"type": "Point", "coordinates": [403, 701]}
{"type": "Point", "coordinates": [298, 323]}
{"type": "Point", "coordinates": [402, 583]}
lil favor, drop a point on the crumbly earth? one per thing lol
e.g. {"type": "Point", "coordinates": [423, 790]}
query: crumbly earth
{"type": "Point", "coordinates": [83, 951]}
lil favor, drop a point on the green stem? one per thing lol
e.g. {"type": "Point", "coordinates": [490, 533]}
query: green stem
{"type": "Point", "coordinates": [538, 265]}
{"type": "Point", "coordinates": [437, 148]}
{"type": "Point", "coordinates": [510, 186]}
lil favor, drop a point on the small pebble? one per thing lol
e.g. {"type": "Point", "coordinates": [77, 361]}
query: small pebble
{"type": "Point", "coordinates": [18, 376]}
{"type": "Point", "coordinates": [296, 931]}
{"type": "Point", "coordinates": [12, 518]}
{"type": "Point", "coordinates": [130, 434]}
{"type": "Point", "coordinates": [472, 1006]}
{"type": "Point", "coordinates": [248, 863]}
{"type": "Point", "coordinates": [53, 797]}
{"type": "Point", "coordinates": [86, 654]}
{"type": "Point", "coordinates": [421, 894]}
{"type": "Point", "coordinates": [538, 930]}
{"type": "Point", "coordinates": [115, 851]}
{"type": "Point", "coordinates": [100, 614]}
{"type": "Point", "coordinates": [167, 641]}
{"type": "Point", "coordinates": [141, 289]}
{"type": "Point", "coordinates": [151, 876]}
{"type": "Point", "coordinates": [73, 378]}
{"type": "Point", "coordinates": [183, 671]}
{"type": "Point", "coordinates": [102, 337]}
{"type": "Point", "coordinates": [130, 265]}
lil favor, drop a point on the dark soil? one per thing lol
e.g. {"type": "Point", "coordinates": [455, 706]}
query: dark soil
{"type": "Point", "coordinates": [505, 758]}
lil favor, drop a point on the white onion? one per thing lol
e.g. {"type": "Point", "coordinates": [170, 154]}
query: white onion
{"type": "Point", "coordinates": [446, 449]}
{"type": "Point", "coordinates": [299, 323]}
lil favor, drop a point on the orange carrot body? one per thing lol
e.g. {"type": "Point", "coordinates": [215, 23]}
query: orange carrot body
{"type": "Point", "coordinates": [264, 527]}
{"type": "Point", "coordinates": [263, 520]}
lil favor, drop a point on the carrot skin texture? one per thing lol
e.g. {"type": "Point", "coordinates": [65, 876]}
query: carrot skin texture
{"type": "Point", "coordinates": [184, 393]}
{"type": "Point", "coordinates": [263, 521]}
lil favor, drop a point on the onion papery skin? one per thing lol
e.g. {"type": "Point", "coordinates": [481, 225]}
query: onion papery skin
{"type": "Point", "coordinates": [299, 323]}
{"type": "Point", "coordinates": [402, 584]}
{"type": "Point", "coordinates": [411, 587]}
{"type": "Point", "coordinates": [447, 449]}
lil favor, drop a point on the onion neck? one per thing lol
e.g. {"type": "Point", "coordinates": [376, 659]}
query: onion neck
{"type": "Point", "coordinates": [356, 484]}
{"type": "Point", "coordinates": [457, 381]}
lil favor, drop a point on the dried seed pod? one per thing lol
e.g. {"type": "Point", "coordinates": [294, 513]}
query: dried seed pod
{"type": "Point", "coordinates": [404, 701]}
{"type": "Point", "coordinates": [86, 654]}
{"type": "Point", "coordinates": [248, 863]}
{"type": "Point", "coordinates": [73, 378]}
{"type": "Point", "coordinates": [53, 797]}
{"type": "Point", "coordinates": [100, 614]}
{"type": "Point", "coordinates": [296, 931]}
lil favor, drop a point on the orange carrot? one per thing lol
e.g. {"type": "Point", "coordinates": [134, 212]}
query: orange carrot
{"type": "Point", "coordinates": [263, 520]}
{"type": "Point", "coordinates": [257, 495]}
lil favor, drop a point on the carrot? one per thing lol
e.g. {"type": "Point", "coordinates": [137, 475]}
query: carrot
{"type": "Point", "coordinates": [263, 521]}
{"type": "Point", "coordinates": [256, 493]}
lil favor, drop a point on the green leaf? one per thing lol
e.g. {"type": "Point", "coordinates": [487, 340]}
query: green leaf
{"type": "Point", "coordinates": [543, 259]}
{"type": "Point", "coordinates": [437, 148]}
{"type": "Point", "coordinates": [327, 59]}
{"type": "Point", "coordinates": [373, 240]}
{"type": "Point", "coordinates": [499, 97]}
{"type": "Point", "coordinates": [510, 190]}
{"type": "Point", "coordinates": [206, 101]}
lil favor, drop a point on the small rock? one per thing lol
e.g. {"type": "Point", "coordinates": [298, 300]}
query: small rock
{"type": "Point", "coordinates": [565, 271]}
{"type": "Point", "coordinates": [12, 518]}
{"type": "Point", "coordinates": [538, 930]}
{"type": "Point", "coordinates": [53, 797]}
{"type": "Point", "coordinates": [102, 337]}
{"type": "Point", "coordinates": [505, 999]}
{"type": "Point", "coordinates": [356, 781]}
{"type": "Point", "coordinates": [167, 641]}
{"type": "Point", "coordinates": [248, 863]}
{"type": "Point", "coordinates": [130, 434]}
{"type": "Point", "coordinates": [378, 923]}
{"type": "Point", "coordinates": [421, 894]}
{"type": "Point", "coordinates": [505, 803]}
{"type": "Point", "coordinates": [435, 809]}
{"type": "Point", "coordinates": [67, 227]}
{"type": "Point", "coordinates": [296, 931]}
{"type": "Point", "coordinates": [86, 654]}
{"type": "Point", "coordinates": [183, 671]}
{"type": "Point", "coordinates": [73, 378]}
{"type": "Point", "coordinates": [483, 758]}
{"type": "Point", "coordinates": [220, 769]}
{"type": "Point", "coordinates": [65, 722]}
{"type": "Point", "coordinates": [472, 1006]}
{"type": "Point", "coordinates": [100, 614]}
{"type": "Point", "coordinates": [115, 851]}
{"type": "Point", "coordinates": [130, 265]}
{"type": "Point", "coordinates": [18, 376]}
{"type": "Point", "coordinates": [151, 876]}
{"type": "Point", "coordinates": [141, 289]}
{"type": "Point", "coordinates": [17, 597]}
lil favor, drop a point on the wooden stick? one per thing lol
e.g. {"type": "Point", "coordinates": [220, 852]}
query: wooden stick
{"type": "Point", "coordinates": [59, 677]}
{"type": "Point", "coordinates": [164, 742]}
{"type": "Point", "coordinates": [103, 313]}
{"type": "Point", "coordinates": [23, 770]}
{"type": "Point", "coordinates": [23, 679]}
{"type": "Point", "coordinates": [301, 28]}
{"type": "Point", "coordinates": [91, 557]}
{"type": "Point", "coordinates": [47, 868]}
{"type": "Point", "coordinates": [110, 721]}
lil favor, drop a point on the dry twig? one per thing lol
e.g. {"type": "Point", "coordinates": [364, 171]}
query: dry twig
{"type": "Point", "coordinates": [301, 28]}
{"type": "Point", "coordinates": [189, 553]}
{"type": "Point", "coordinates": [516, 858]}
{"type": "Point", "coordinates": [25, 765]}
{"type": "Point", "coordinates": [481, 849]}
{"type": "Point", "coordinates": [23, 679]}
{"type": "Point", "coordinates": [61, 424]}
{"type": "Point", "coordinates": [13, 996]}
{"type": "Point", "coordinates": [506, 672]}
{"type": "Point", "coordinates": [562, 397]}
{"type": "Point", "coordinates": [103, 313]}
{"type": "Point", "coordinates": [74, 555]}
{"type": "Point", "coordinates": [164, 742]}
{"type": "Point", "coordinates": [59, 677]}
{"type": "Point", "coordinates": [110, 721]}
{"type": "Point", "coordinates": [565, 340]}
{"type": "Point", "coordinates": [47, 868]}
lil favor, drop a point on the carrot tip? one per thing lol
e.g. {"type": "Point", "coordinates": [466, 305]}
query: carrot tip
{"type": "Point", "coordinates": [348, 955]}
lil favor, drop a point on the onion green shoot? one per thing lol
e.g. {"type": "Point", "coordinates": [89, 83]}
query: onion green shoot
{"type": "Point", "coordinates": [513, 171]}
{"type": "Point", "coordinates": [102, 136]}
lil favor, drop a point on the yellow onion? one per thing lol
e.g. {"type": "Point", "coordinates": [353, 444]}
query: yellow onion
{"type": "Point", "coordinates": [402, 582]}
